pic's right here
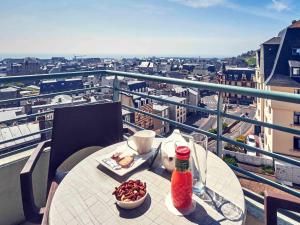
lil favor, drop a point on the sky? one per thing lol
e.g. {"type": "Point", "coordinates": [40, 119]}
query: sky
{"type": "Point", "coordinates": [206, 28]}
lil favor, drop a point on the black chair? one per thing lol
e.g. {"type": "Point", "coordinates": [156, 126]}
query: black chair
{"type": "Point", "coordinates": [275, 201]}
{"type": "Point", "coordinates": [74, 128]}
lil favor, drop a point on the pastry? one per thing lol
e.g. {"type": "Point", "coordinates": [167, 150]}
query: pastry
{"type": "Point", "coordinates": [126, 161]}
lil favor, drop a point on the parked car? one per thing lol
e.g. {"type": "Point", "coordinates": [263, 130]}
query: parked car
{"type": "Point", "coordinates": [250, 140]}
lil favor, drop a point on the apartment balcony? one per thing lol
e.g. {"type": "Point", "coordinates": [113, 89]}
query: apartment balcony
{"type": "Point", "coordinates": [12, 160]}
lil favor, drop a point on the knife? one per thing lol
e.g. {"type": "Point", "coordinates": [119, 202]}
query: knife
{"type": "Point", "coordinates": [155, 155]}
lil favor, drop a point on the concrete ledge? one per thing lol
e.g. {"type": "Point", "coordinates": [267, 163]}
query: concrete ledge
{"type": "Point", "coordinates": [11, 209]}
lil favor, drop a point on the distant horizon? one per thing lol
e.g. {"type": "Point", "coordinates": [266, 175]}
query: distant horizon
{"type": "Point", "coordinates": [71, 56]}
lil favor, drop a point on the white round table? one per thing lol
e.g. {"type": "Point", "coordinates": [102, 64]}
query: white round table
{"type": "Point", "coordinates": [85, 196]}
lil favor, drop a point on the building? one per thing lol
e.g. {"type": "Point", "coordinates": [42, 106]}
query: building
{"type": "Point", "coordinates": [15, 131]}
{"type": "Point", "coordinates": [193, 99]}
{"type": "Point", "coordinates": [50, 86]}
{"type": "Point", "coordinates": [278, 69]}
{"type": "Point", "coordinates": [10, 114]}
{"type": "Point", "coordinates": [179, 91]}
{"type": "Point", "coordinates": [109, 81]}
{"type": "Point", "coordinates": [28, 66]}
{"type": "Point", "coordinates": [164, 67]}
{"type": "Point", "coordinates": [138, 86]}
{"type": "Point", "coordinates": [177, 113]}
{"type": "Point", "coordinates": [9, 93]}
{"type": "Point", "coordinates": [161, 127]}
{"type": "Point", "coordinates": [146, 67]}
{"type": "Point", "coordinates": [189, 94]}
{"type": "Point", "coordinates": [237, 76]}
{"type": "Point", "coordinates": [143, 104]}
{"type": "Point", "coordinates": [59, 101]}
{"type": "Point", "coordinates": [127, 116]}
{"type": "Point", "coordinates": [189, 66]}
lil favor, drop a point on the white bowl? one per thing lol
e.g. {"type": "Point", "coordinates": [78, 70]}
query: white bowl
{"type": "Point", "coordinates": [132, 204]}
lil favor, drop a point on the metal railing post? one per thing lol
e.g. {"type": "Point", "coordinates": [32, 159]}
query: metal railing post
{"type": "Point", "coordinates": [219, 125]}
{"type": "Point", "coordinates": [116, 86]}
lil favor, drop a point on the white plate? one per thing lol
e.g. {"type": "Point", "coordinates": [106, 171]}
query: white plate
{"type": "Point", "coordinates": [138, 159]}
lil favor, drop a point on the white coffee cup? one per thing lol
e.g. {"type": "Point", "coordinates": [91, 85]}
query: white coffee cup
{"type": "Point", "coordinates": [141, 141]}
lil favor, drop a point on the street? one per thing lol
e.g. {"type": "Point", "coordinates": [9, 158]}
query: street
{"type": "Point", "coordinates": [206, 122]}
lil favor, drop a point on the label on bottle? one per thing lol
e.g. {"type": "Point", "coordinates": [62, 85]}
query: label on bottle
{"type": "Point", "coordinates": [182, 165]}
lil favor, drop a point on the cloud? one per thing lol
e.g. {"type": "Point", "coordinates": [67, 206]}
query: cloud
{"type": "Point", "coordinates": [278, 5]}
{"type": "Point", "coordinates": [201, 3]}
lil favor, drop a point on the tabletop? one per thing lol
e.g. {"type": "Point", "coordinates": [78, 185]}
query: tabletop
{"type": "Point", "coordinates": [85, 196]}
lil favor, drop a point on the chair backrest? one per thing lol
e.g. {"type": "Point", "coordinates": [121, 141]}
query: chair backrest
{"type": "Point", "coordinates": [77, 127]}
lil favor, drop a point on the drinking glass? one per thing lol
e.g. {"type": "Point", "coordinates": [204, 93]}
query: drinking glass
{"type": "Point", "coordinates": [198, 146]}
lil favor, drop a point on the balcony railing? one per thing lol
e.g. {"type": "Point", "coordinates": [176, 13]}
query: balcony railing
{"type": "Point", "coordinates": [219, 137]}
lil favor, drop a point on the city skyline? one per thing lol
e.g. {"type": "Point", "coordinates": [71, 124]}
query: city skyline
{"type": "Point", "coordinates": [206, 28]}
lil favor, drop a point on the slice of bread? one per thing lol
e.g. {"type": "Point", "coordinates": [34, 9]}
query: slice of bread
{"type": "Point", "coordinates": [126, 161]}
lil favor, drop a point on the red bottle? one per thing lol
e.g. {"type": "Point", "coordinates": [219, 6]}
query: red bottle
{"type": "Point", "coordinates": [182, 181]}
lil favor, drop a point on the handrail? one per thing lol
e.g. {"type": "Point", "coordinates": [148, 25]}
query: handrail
{"type": "Point", "coordinates": [27, 116]}
{"type": "Point", "coordinates": [184, 126]}
{"type": "Point", "coordinates": [271, 154]}
{"type": "Point", "coordinates": [265, 180]}
{"type": "Point", "coordinates": [26, 136]}
{"type": "Point", "coordinates": [222, 137]}
{"type": "Point", "coordinates": [214, 112]}
{"type": "Point", "coordinates": [4, 153]}
{"type": "Point", "coordinates": [35, 77]}
{"type": "Point", "coordinates": [139, 128]}
{"type": "Point", "coordinates": [51, 94]}
{"type": "Point", "coordinates": [275, 95]}
{"type": "Point", "coordinates": [201, 109]}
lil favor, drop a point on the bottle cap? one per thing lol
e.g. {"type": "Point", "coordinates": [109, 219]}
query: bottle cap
{"type": "Point", "coordinates": [182, 152]}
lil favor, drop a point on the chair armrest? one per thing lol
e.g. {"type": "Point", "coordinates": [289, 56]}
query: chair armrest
{"type": "Point", "coordinates": [275, 201]}
{"type": "Point", "coordinates": [31, 211]}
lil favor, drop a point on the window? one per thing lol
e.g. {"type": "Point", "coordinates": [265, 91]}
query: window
{"type": "Point", "coordinates": [297, 118]}
{"type": "Point", "coordinates": [297, 91]}
{"type": "Point", "coordinates": [296, 71]}
{"type": "Point", "coordinates": [297, 143]}
{"type": "Point", "coordinates": [296, 51]}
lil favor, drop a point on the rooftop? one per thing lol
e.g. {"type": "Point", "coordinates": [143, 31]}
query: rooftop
{"type": "Point", "coordinates": [158, 107]}
{"type": "Point", "coordinates": [173, 98]}
{"type": "Point", "coordinates": [280, 74]}
{"type": "Point", "coordinates": [273, 41]}
{"type": "Point", "coordinates": [240, 68]}
{"type": "Point", "coordinates": [294, 63]}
